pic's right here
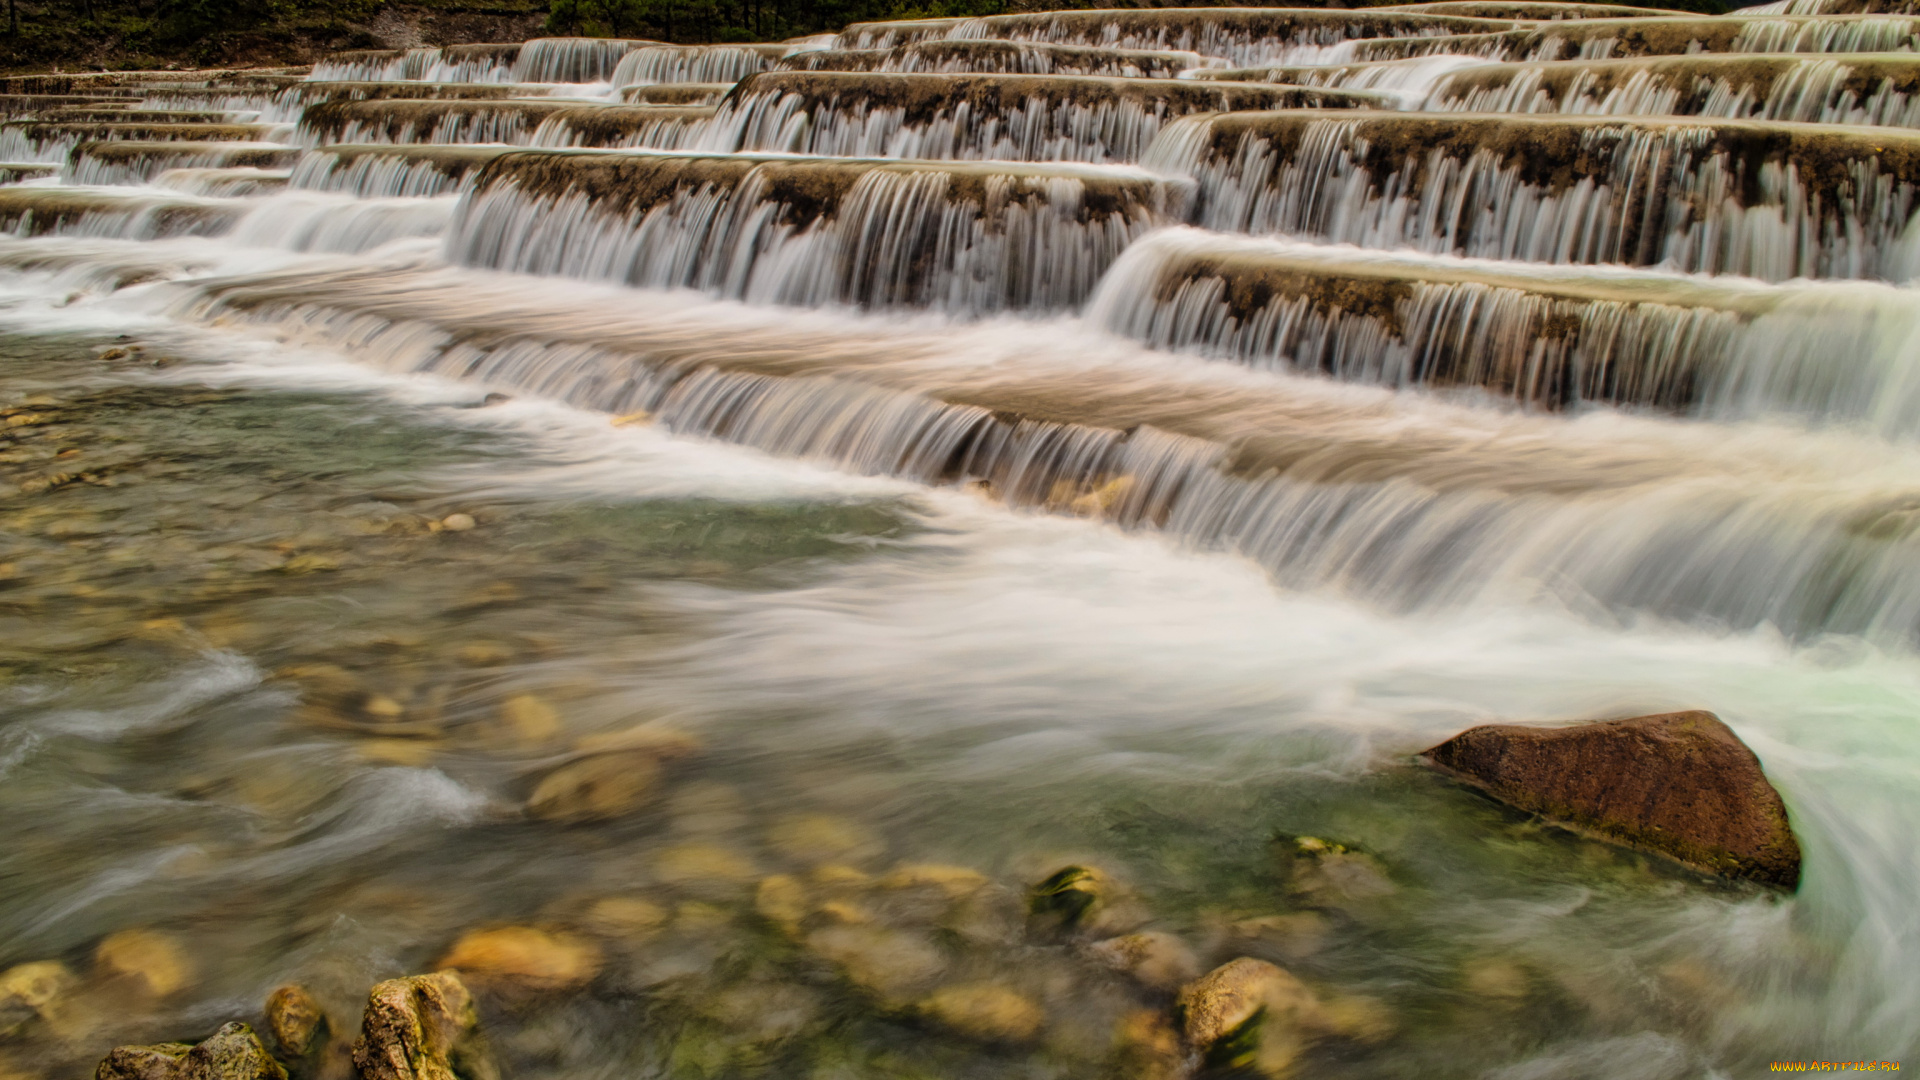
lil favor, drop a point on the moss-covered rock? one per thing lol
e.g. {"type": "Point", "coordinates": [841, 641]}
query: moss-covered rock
{"type": "Point", "coordinates": [422, 1027]}
{"type": "Point", "coordinates": [232, 1053]}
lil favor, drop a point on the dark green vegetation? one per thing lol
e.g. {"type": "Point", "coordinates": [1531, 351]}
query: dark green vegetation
{"type": "Point", "coordinates": [140, 34]}
{"type": "Point", "coordinates": [145, 34]}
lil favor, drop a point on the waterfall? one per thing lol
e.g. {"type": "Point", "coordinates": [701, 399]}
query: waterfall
{"type": "Point", "coordinates": [1832, 7]}
{"type": "Point", "coordinates": [571, 60]}
{"type": "Point", "coordinates": [1536, 10]}
{"type": "Point", "coordinates": [976, 117]}
{"type": "Point", "coordinates": [1243, 36]}
{"type": "Point", "coordinates": [127, 216]}
{"type": "Point", "coordinates": [887, 35]}
{"type": "Point", "coordinates": [966, 238]}
{"type": "Point", "coordinates": [440, 122]}
{"type": "Point", "coordinates": [308, 222]}
{"type": "Point", "coordinates": [452, 64]}
{"type": "Point", "coordinates": [383, 172]}
{"type": "Point", "coordinates": [115, 163]}
{"type": "Point", "coordinates": [1434, 510]}
{"type": "Point", "coordinates": [1874, 91]}
{"type": "Point", "coordinates": [222, 182]}
{"type": "Point", "coordinates": [1406, 83]}
{"type": "Point", "coordinates": [54, 142]}
{"type": "Point", "coordinates": [684, 94]}
{"type": "Point", "coordinates": [663, 127]}
{"type": "Point", "coordinates": [291, 104]}
{"type": "Point", "coordinates": [1718, 348]}
{"type": "Point", "coordinates": [693, 63]}
{"type": "Point", "coordinates": [1768, 200]}
{"type": "Point", "coordinates": [943, 57]}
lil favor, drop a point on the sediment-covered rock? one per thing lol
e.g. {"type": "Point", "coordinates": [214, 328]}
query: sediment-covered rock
{"type": "Point", "coordinates": [1157, 959]}
{"type": "Point", "coordinates": [232, 1053]}
{"type": "Point", "coordinates": [1249, 1013]}
{"type": "Point", "coordinates": [1682, 784]}
{"type": "Point", "coordinates": [986, 1011]}
{"type": "Point", "coordinates": [608, 775]}
{"type": "Point", "coordinates": [160, 1061]}
{"type": "Point", "coordinates": [422, 1027]}
{"type": "Point", "coordinates": [296, 1021]}
{"type": "Point", "coordinates": [1085, 900]}
{"type": "Point", "coordinates": [524, 956]}
{"type": "Point", "coordinates": [31, 990]}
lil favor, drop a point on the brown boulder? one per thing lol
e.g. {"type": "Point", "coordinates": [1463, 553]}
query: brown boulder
{"type": "Point", "coordinates": [1678, 783]}
{"type": "Point", "coordinates": [422, 1027]}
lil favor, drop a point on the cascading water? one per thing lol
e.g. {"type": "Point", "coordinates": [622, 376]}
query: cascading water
{"type": "Point", "coordinates": [967, 238]}
{"type": "Point", "coordinates": [1773, 201]}
{"type": "Point", "coordinates": [693, 64]}
{"type": "Point", "coordinates": [977, 117]}
{"type": "Point", "coordinates": [1090, 438]}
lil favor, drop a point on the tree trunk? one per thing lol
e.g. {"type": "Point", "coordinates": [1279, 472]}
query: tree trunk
{"type": "Point", "coordinates": [13, 18]}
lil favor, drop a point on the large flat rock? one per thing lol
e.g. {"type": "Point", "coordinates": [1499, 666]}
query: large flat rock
{"type": "Point", "coordinates": [1678, 783]}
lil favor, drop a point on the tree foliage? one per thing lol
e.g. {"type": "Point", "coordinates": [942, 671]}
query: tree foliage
{"type": "Point", "coordinates": [154, 33]}
{"type": "Point", "coordinates": [693, 21]}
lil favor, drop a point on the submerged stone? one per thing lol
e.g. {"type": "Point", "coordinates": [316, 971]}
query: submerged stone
{"type": "Point", "coordinates": [953, 882]}
{"type": "Point", "coordinates": [627, 918]}
{"type": "Point", "coordinates": [1492, 977]}
{"type": "Point", "coordinates": [1248, 1013]}
{"type": "Point", "coordinates": [1682, 784]}
{"type": "Point", "coordinates": [1331, 874]}
{"type": "Point", "coordinates": [819, 838]}
{"type": "Point", "coordinates": [608, 775]}
{"type": "Point", "coordinates": [30, 990]}
{"type": "Point", "coordinates": [526, 956]}
{"type": "Point", "coordinates": [1295, 935]}
{"type": "Point", "coordinates": [704, 867]}
{"type": "Point", "coordinates": [530, 719]}
{"type": "Point", "coordinates": [1156, 959]}
{"type": "Point", "coordinates": [889, 964]}
{"type": "Point", "coordinates": [1082, 899]}
{"type": "Point", "coordinates": [783, 901]}
{"type": "Point", "coordinates": [152, 962]}
{"type": "Point", "coordinates": [1146, 1047]}
{"type": "Point", "coordinates": [296, 1021]}
{"type": "Point", "coordinates": [986, 1011]}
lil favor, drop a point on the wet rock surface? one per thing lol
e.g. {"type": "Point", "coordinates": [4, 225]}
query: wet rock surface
{"type": "Point", "coordinates": [232, 1053]}
{"type": "Point", "coordinates": [1682, 784]}
{"type": "Point", "coordinates": [296, 1021]}
{"type": "Point", "coordinates": [423, 1027]}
